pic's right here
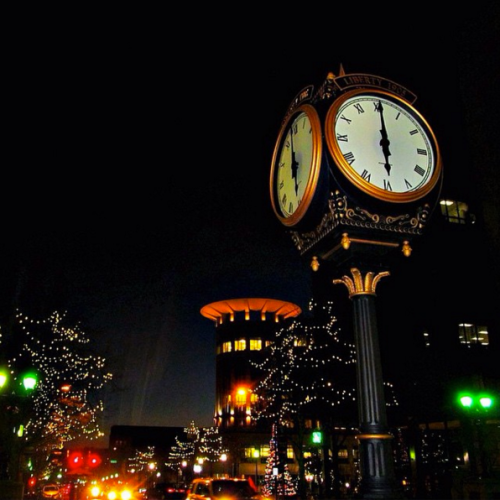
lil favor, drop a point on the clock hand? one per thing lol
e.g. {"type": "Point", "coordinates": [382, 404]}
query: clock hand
{"type": "Point", "coordinates": [384, 142]}
{"type": "Point", "coordinates": [295, 164]}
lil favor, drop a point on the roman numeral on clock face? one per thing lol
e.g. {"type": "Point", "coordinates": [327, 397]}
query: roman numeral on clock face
{"type": "Point", "coordinates": [366, 175]}
{"type": "Point", "coordinates": [419, 170]}
{"type": "Point", "coordinates": [349, 157]}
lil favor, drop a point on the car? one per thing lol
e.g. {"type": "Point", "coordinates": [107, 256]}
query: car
{"type": "Point", "coordinates": [166, 491]}
{"type": "Point", "coordinates": [227, 489]}
{"type": "Point", "coordinates": [117, 491]}
{"type": "Point", "coordinates": [51, 491]}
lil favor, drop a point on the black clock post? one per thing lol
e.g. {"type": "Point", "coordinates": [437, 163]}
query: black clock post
{"type": "Point", "coordinates": [375, 451]}
{"type": "Point", "coordinates": [370, 173]}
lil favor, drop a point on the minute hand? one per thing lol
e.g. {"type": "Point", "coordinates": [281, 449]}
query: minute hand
{"type": "Point", "coordinates": [384, 142]}
{"type": "Point", "coordinates": [295, 164]}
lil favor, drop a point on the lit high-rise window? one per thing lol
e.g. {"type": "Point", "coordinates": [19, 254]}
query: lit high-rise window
{"type": "Point", "coordinates": [456, 212]}
{"type": "Point", "coordinates": [240, 345]}
{"type": "Point", "coordinates": [470, 334]}
{"type": "Point", "coordinates": [255, 344]}
{"type": "Point", "coordinates": [226, 347]}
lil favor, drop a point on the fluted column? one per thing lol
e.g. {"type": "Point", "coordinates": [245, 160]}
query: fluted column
{"type": "Point", "coordinates": [376, 461]}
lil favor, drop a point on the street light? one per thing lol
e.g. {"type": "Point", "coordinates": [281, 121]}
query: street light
{"type": "Point", "coordinates": [223, 459]}
{"type": "Point", "coordinates": [256, 455]}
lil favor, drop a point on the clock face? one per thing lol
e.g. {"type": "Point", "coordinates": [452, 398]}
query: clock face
{"type": "Point", "coordinates": [382, 145]}
{"type": "Point", "coordinates": [296, 165]}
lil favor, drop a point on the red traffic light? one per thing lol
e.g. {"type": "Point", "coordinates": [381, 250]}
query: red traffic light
{"type": "Point", "coordinates": [75, 459]}
{"type": "Point", "coordinates": [94, 460]}
{"type": "Point", "coordinates": [32, 482]}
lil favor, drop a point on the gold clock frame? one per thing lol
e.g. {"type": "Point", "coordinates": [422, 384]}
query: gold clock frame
{"type": "Point", "coordinates": [353, 176]}
{"type": "Point", "coordinates": [314, 171]}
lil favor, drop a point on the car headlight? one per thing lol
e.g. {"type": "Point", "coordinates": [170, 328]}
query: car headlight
{"type": "Point", "coordinates": [126, 494]}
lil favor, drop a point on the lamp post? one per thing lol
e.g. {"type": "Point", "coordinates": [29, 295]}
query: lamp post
{"type": "Point", "coordinates": [223, 459]}
{"type": "Point", "coordinates": [256, 455]}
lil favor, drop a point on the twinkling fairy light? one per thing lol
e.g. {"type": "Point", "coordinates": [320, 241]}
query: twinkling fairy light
{"type": "Point", "coordinates": [309, 364]}
{"type": "Point", "coordinates": [66, 403]}
{"type": "Point", "coordinates": [203, 444]}
{"type": "Point", "coordinates": [309, 367]}
{"type": "Point", "coordinates": [280, 484]}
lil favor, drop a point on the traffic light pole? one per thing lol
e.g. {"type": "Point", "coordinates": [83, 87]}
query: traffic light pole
{"type": "Point", "coordinates": [376, 463]}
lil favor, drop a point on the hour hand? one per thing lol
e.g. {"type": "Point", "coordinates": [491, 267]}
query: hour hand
{"type": "Point", "coordinates": [384, 142]}
{"type": "Point", "coordinates": [295, 168]}
{"type": "Point", "coordinates": [295, 164]}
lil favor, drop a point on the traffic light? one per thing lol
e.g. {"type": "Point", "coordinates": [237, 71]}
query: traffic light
{"type": "Point", "coordinates": [83, 460]}
{"type": "Point", "coordinates": [75, 459]}
{"type": "Point", "coordinates": [476, 401]}
{"type": "Point", "coordinates": [317, 437]}
{"type": "Point", "coordinates": [32, 482]}
{"type": "Point", "coordinates": [29, 380]}
{"type": "Point", "coordinates": [94, 460]}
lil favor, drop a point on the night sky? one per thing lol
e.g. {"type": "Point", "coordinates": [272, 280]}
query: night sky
{"type": "Point", "coordinates": [135, 179]}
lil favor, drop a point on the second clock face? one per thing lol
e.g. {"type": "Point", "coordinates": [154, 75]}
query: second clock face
{"type": "Point", "coordinates": [382, 145]}
{"type": "Point", "coordinates": [296, 165]}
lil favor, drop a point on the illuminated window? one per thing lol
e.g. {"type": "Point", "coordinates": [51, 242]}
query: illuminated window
{"type": "Point", "coordinates": [289, 451]}
{"type": "Point", "coordinates": [343, 453]}
{"type": "Point", "coordinates": [255, 344]}
{"type": "Point", "coordinates": [471, 334]}
{"type": "Point", "coordinates": [253, 398]}
{"type": "Point", "coordinates": [264, 450]}
{"type": "Point", "coordinates": [456, 212]}
{"type": "Point", "coordinates": [226, 347]}
{"type": "Point", "coordinates": [240, 345]}
{"type": "Point", "coordinates": [241, 397]}
{"type": "Point", "coordinates": [300, 342]}
{"type": "Point", "coordinates": [250, 452]}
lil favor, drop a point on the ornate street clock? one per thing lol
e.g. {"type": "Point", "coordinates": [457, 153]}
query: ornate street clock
{"type": "Point", "coordinates": [355, 163]}
{"type": "Point", "coordinates": [355, 175]}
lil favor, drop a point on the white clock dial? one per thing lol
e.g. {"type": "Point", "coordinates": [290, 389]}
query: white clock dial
{"type": "Point", "coordinates": [383, 146]}
{"type": "Point", "coordinates": [294, 163]}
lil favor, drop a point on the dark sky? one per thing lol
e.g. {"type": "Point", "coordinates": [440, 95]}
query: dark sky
{"type": "Point", "coordinates": [135, 180]}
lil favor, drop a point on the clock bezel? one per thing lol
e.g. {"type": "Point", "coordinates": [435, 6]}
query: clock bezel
{"type": "Point", "coordinates": [356, 179]}
{"type": "Point", "coordinates": [314, 167]}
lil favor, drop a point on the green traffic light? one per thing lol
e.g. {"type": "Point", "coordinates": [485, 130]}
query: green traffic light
{"type": "Point", "coordinates": [317, 437]}
{"type": "Point", "coordinates": [30, 380]}
{"type": "Point", "coordinates": [4, 376]}
{"type": "Point", "coordinates": [480, 402]}
{"type": "Point", "coordinates": [486, 401]}
{"type": "Point", "coordinates": [466, 401]}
